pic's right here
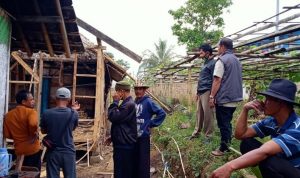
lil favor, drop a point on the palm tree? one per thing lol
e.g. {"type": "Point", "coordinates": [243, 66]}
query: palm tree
{"type": "Point", "coordinates": [153, 60]}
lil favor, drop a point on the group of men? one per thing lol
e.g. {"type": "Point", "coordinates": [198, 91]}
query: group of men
{"type": "Point", "coordinates": [220, 89]}
{"type": "Point", "coordinates": [21, 125]}
{"type": "Point", "coordinates": [132, 121]}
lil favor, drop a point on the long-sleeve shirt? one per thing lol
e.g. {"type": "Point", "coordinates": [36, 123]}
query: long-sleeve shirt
{"type": "Point", "coordinates": [21, 125]}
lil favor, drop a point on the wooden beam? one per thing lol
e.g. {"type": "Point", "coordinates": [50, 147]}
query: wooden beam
{"type": "Point", "coordinates": [85, 97]}
{"type": "Point", "coordinates": [108, 40]}
{"type": "Point", "coordinates": [40, 19]}
{"type": "Point", "coordinates": [25, 66]}
{"type": "Point", "coordinates": [99, 127]}
{"type": "Point", "coordinates": [44, 29]}
{"type": "Point", "coordinates": [23, 39]}
{"type": "Point", "coordinates": [40, 86]}
{"type": "Point", "coordinates": [63, 29]}
{"type": "Point", "coordinates": [74, 78]}
{"type": "Point", "coordinates": [22, 82]}
{"type": "Point", "coordinates": [61, 75]}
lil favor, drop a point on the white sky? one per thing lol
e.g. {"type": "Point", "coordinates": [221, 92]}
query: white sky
{"type": "Point", "coordinates": [138, 24]}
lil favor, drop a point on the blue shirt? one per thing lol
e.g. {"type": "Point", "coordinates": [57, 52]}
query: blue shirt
{"type": "Point", "coordinates": [145, 109]}
{"type": "Point", "coordinates": [287, 136]}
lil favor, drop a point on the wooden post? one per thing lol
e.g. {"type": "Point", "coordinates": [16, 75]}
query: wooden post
{"type": "Point", "coordinates": [171, 88]}
{"type": "Point", "coordinates": [160, 86]}
{"type": "Point", "coordinates": [190, 88]}
{"type": "Point", "coordinates": [74, 79]}
{"type": "Point", "coordinates": [40, 86]}
{"type": "Point", "coordinates": [99, 102]}
{"type": "Point", "coordinates": [61, 75]}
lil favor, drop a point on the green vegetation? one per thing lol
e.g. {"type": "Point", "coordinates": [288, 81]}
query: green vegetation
{"type": "Point", "coordinates": [196, 153]}
{"type": "Point", "coordinates": [199, 21]}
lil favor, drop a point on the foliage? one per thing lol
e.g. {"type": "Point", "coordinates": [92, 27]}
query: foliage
{"type": "Point", "coordinates": [123, 63]}
{"type": "Point", "coordinates": [199, 21]}
{"type": "Point", "coordinates": [196, 153]}
{"type": "Point", "coordinates": [153, 60]}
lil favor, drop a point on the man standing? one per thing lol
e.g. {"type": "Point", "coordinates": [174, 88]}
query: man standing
{"type": "Point", "coordinates": [226, 91]}
{"type": "Point", "coordinates": [204, 114]}
{"type": "Point", "coordinates": [21, 125]}
{"type": "Point", "coordinates": [58, 123]}
{"type": "Point", "coordinates": [145, 109]}
{"type": "Point", "coordinates": [123, 130]}
{"type": "Point", "coordinates": [280, 156]}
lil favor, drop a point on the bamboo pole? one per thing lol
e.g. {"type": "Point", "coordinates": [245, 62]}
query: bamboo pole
{"type": "Point", "coordinates": [287, 40]}
{"type": "Point", "coordinates": [267, 26]}
{"type": "Point", "coordinates": [190, 88]}
{"type": "Point", "coordinates": [40, 86]}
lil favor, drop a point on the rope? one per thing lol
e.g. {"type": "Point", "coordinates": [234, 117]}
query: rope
{"type": "Point", "coordinates": [180, 157]}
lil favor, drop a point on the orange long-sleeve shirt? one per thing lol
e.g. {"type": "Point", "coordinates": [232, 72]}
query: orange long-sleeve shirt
{"type": "Point", "coordinates": [21, 125]}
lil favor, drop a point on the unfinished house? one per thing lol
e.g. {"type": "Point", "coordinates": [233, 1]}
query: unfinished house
{"type": "Point", "coordinates": [43, 50]}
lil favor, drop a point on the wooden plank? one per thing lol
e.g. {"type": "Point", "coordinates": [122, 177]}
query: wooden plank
{"type": "Point", "coordinates": [86, 75]}
{"type": "Point", "coordinates": [99, 118]}
{"type": "Point", "coordinates": [24, 40]}
{"type": "Point", "coordinates": [34, 70]}
{"type": "Point", "coordinates": [40, 86]}
{"type": "Point", "coordinates": [108, 40]}
{"type": "Point", "coordinates": [24, 65]}
{"type": "Point", "coordinates": [74, 78]}
{"type": "Point", "coordinates": [22, 82]}
{"type": "Point", "coordinates": [40, 19]}
{"type": "Point", "coordinates": [13, 66]}
{"type": "Point", "coordinates": [85, 97]}
{"type": "Point", "coordinates": [61, 75]}
{"type": "Point", "coordinates": [63, 30]}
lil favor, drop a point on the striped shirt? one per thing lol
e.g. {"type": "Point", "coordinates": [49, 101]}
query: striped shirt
{"type": "Point", "coordinates": [287, 136]}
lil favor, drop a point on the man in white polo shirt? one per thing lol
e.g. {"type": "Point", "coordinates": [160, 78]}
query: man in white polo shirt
{"type": "Point", "coordinates": [226, 91]}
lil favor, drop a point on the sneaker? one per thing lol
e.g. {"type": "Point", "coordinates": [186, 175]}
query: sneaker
{"type": "Point", "coordinates": [217, 152]}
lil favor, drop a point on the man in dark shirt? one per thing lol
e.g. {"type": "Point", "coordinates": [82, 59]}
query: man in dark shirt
{"type": "Point", "coordinates": [204, 116]}
{"type": "Point", "coordinates": [58, 123]}
{"type": "Point", "coordinates": [123, 130]}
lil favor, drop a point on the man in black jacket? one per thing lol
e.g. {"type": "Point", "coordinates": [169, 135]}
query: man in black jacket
{"type": "Point", "coordinates": [123, 130]}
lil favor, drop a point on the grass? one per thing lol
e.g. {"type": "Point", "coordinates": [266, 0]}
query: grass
{"type": "Point", "coordinates": [196, 153]}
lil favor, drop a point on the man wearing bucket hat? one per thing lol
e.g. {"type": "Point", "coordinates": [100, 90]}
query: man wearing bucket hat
{"type": "Point", "coordinates": [58, 123]}
{"type": "Point", "coordinates": [279, 157]}
{"type": "Point", "coordinates": [123, 130]}
{"type": "Point", "coordinates": [145, 109]}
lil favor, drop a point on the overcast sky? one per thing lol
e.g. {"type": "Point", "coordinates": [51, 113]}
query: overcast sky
{"type": "Point", "coordinates": [138, 24]}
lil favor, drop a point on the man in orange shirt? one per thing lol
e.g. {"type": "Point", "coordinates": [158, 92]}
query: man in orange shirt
{"type": "Point", "coordinates": [21, 125]}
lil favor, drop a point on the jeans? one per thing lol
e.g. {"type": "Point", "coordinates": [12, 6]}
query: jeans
{"type": "Point", "coordinates": [224, 117]}
{"type": "Point", "coordinates": [57, 160]}
{"type": "Point", "coordinates": [273, 166]}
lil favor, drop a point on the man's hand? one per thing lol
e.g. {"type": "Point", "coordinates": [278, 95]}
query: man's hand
{"type": "Point", "coordinates": [75, 106]}
{"type": "Point", "coordinates": [211, 102]}
{"type": "Point", "coordinates": [107, 142]}
{"type": "Point", "coordinates": [222, 172]}
{"type": "Point", "coordinates": [116, 97]}
{"type": "Point", "coordinates": [197, 97]}
{"type": "Point", "coordinates": [256, 105]}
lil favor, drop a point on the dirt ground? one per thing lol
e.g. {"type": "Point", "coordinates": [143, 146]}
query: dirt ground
{"type": "Point", "coordinates": [102, 167]}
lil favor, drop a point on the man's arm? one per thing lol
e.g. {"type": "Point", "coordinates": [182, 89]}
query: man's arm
{"type": "Point", "coordinates": [160, 115]}
{"type": "Point", "coordinates": [6, 131]}
{"type": "Point", "coordinates": [120, 114]}
{"type": "Point", "coordinates": [33, 123]}
{"type": "Point", "coordinates": [218, 74]}
{"type": "Point", "coordinates": [249, 159]}
{"type": "Point", "coordinates": [242, 130]}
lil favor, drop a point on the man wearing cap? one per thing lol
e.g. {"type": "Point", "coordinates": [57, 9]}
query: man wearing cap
{"type": "Point", "coordinates": [226, 91]}
{"type": "Point", "coordinates": [58, 123]}
{"type": "Point", "coordinates": [204, 116]}
{"type": "Point", "coordinates": [280, 156]}
{"type": "Point", "coordinates": [21, 125]}
{"type": "Point", "coordinates": [123, 130]}
{"type": "Point", "coordinates": [145, 110]}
